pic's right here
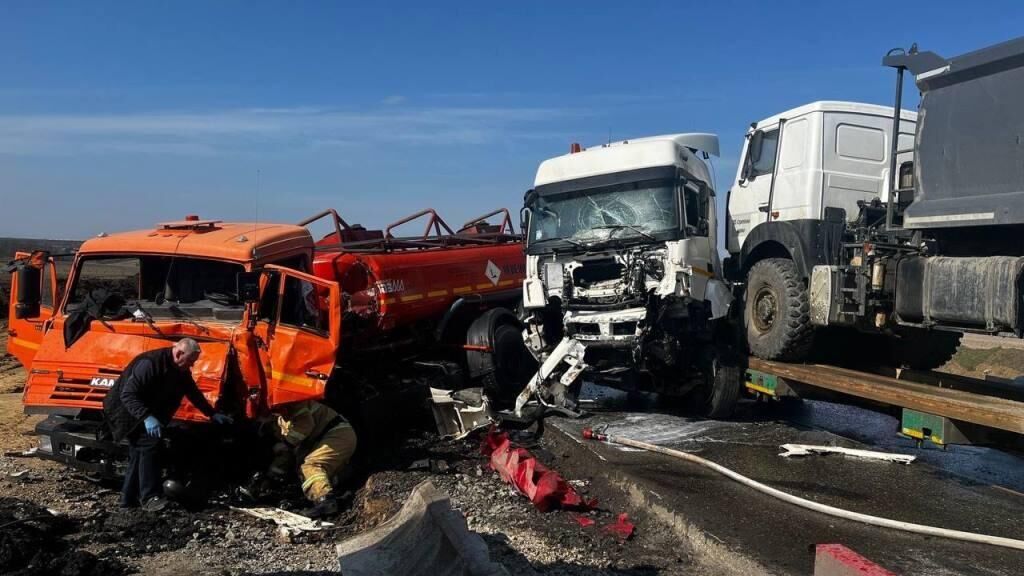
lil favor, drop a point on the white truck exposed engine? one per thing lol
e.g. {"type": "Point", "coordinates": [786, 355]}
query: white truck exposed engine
{"type": "Point", "coordinates": [623, 279]}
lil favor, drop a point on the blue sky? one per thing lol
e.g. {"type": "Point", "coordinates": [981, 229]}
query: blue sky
{"type": "Point", "coordinates": [118, 115]}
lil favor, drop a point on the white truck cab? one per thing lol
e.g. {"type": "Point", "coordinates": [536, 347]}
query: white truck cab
{"type": "Point", "coordinates": [833, 155]}
{"type": "Point", "coordinates": [623, 277]}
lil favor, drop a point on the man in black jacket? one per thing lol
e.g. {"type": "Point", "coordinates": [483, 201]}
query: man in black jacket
{"type": "Point", "coordinates": [143, 401]}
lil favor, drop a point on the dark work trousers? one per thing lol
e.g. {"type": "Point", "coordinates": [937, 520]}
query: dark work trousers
{"type": "Point", "coordinates": [142, 478]}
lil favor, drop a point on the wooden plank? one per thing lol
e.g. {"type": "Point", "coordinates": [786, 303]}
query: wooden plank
{"type": "Point", "coordinates": [958, 404]}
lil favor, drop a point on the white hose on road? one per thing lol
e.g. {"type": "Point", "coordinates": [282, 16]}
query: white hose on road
{"type": "Point", "coordinates": [811, 505]}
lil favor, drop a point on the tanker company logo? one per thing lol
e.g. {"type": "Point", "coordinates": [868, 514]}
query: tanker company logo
{"type": "Point", "coordinates": [492, 272]}
{"type": "Point", "coordinates": [98, 382]}
{"type": "Point", "coordinates": [390, 286]}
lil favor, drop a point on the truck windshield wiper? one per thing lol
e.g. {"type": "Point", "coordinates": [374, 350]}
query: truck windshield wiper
{"type": "Point", "coordinates": [573, 242]}
{"type": "Point", "coordinates": [187, 316]}
{"type": "Point", "coordinates": [621, 226]}
{"type": "Point", "coordinates": [146, 317]}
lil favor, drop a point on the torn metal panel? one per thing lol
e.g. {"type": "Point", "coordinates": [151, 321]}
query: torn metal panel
{"type": "Point", "coordinates": [459, 412]}
{"type": "Point", "coordinates": [809, 449]}
{"type": "Point", "coordinates": [426, 538]}
{"type": "Point", "coordinates": [553, 393]}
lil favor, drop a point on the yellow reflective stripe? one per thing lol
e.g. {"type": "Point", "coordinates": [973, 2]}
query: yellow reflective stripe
{"type": "Point", "coordinates": [411, 297]}
{"type": "Point", "coordinates": [703, 272]}
{"type": "Point", "coordinates": [318, 477]}
{"type": "Point", "coordinates": [436, 293]}
{"type": "Point", "coordinates": [462, 289]}
{"type": "Point", "coordinates": [507, 282]}
{"type": "Point", "coordinates": [304, 380]}
{"type": "Point", "coordinates": [25, 343]}
{"type": "Point", "coordinates": [484, 286]}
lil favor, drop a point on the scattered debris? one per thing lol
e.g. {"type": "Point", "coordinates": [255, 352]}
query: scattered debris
{"type": "Point", "coordinates": [460, 412]}
{"type": "Point", "coordinates": [808, 449]}
{"type": "Point", "coordinates": [621, 528]}
{"type": "Point", "coordinates": [426, 537]}
{"type": "Point", "coordinates": [584, 521]}
{"type": "Point", "coordinates": [22, 453]}
{"type": "Point", "coordinates": [285, 519]}
{"type": "Point", "coordinates": [545, 488]}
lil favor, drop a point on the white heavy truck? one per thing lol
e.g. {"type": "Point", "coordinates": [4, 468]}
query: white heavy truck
{"type": "Point", "coordinates": [886, 249]}
{"type": "Point", "coordinates": [623, 278]}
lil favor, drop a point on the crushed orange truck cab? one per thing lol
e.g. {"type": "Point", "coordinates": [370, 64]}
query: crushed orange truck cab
{"type": "Point", "coordinates": [265, 301]}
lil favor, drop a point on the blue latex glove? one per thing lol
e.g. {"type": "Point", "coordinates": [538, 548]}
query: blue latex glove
{"type": "Point", "coordinates": [222, 419]}
{"type": "Point", "coordinates": [152, 426]}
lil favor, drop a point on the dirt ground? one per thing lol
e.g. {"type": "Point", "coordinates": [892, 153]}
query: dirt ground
{"type": "Point", "coordinates": [91, 536]}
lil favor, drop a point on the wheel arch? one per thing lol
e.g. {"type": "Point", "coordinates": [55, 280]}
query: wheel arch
{"type": "Point", "coordinates": [795, 241]}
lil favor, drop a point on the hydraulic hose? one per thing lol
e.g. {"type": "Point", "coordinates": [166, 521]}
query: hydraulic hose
{"type": "Point", "coordinates": [808, 504]}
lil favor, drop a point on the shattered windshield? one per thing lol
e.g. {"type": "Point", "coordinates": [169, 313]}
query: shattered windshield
{"type": "Point", "coordinates": [623, 211]}
{"type": "Point", "coordinates": [159, 287]}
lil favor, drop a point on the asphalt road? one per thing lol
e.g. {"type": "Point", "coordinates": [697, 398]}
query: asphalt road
{"type": "Point", "coordinates": [967, 488]}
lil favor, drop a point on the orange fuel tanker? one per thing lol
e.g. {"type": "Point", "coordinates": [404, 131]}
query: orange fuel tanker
{"type": "Point", "coordinates": [279, 317]}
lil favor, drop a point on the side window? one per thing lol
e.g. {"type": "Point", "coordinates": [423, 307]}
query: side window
{"type": "Point", "coordinates": [691, 200]}
{"type": "Point", "coordinates": [268, 300]}
{"type": "Point", "coordinates": [46, 294]}
{"type": "Point", "coordinates": [306, 305]}
{"type": "Point", "coordinates": [765, 163]}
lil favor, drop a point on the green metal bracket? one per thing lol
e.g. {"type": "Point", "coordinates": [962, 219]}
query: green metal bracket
{"type": "Point", "coordinates": [940, 430]}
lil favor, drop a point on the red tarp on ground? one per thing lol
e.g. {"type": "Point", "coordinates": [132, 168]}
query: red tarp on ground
{"type": "Point", "coordinates": [545, 488]}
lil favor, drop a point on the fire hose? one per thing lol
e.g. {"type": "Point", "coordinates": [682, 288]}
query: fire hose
{"type": "Point", "coordinates": [808, 504]}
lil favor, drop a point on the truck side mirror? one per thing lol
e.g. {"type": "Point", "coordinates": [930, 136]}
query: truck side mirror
{"type": "Point", "coordinates": [248, 286]}
{"type": "Point", "coordinates": [754, 150]}
{"type": "Point", "coordinates": [30, 287]}
{"type": "Point", "coordinates": [524, 219]}
{"type": "Point", "coordinates": [753, 154]}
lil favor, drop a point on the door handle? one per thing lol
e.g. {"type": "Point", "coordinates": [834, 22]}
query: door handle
{"type": "Point", "coordinates": [763, 208]}
{"type": "Point", "coordinates": [315, 374]}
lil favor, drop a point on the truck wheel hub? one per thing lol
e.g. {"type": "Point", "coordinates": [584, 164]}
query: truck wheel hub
{"type": "Point", "coordinates": [765, 309]}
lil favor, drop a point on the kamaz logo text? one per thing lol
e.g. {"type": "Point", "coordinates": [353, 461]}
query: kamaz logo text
{"type": "Point", "coordinates": [98, 382]}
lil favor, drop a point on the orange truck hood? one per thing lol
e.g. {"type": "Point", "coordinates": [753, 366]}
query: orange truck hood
{"type": "Point", "coordinates": [80, 376]}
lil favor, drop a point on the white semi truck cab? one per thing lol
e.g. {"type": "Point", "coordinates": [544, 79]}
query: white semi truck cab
{"type": "Point", "coordinates": [881, 233]}
{"type": "Point", "coordinates": [623, 279]}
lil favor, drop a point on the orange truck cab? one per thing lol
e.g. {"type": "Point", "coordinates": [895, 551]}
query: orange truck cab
{"type": "Point", "coordinates": [268, 331]}
{"type": "Point", "coordinates": [267, 305]}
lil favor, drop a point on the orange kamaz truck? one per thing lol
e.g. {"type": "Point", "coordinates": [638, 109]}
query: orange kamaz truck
{"type": "Point", "coordinates": [280, 317]}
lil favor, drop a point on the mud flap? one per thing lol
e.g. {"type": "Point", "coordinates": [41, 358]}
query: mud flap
{"type": "Point", "coordinates": [549, 391]}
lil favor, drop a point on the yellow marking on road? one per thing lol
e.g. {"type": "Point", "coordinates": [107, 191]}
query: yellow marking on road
{"type": "Point", "coordinates": [411, 297]}
{"type": "Point", "coordinates": [436, 293]}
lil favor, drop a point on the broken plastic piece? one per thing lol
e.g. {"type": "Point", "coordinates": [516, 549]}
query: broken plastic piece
{"type": "Point", "coordinates": [288, 521]}
{"type": "Point", "coordinates": [545, 488]}
{"type": "Point", "coordinates": [808, 449]}
{"type": "Point", "coordinates": [584, 521]}
{"type": "Point", "coordinates": [458, 413]}
{"type": "Point", "coordinates": [621, 528]}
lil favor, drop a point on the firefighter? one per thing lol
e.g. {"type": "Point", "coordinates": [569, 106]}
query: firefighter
{"type": "Point", "coordinates": [323, 442]}
{"type": "Point", "coordinates": [142, 401]}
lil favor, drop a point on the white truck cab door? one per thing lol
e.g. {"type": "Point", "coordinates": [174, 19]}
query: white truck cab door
{"type": "Point", "coordinates": [749, 196]}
